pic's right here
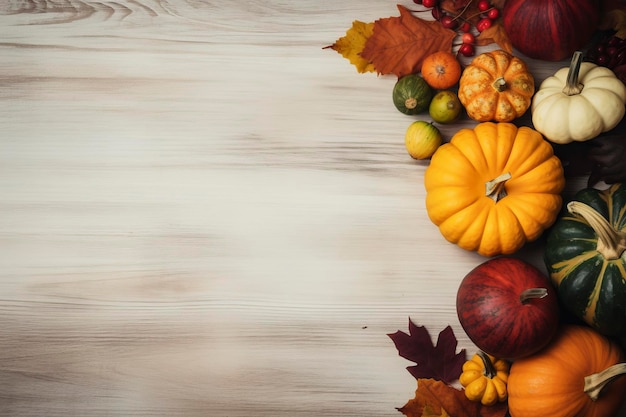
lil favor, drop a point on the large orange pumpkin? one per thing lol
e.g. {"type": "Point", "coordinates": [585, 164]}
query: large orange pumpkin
{"type": "Point", "coordinates": [493, 188]}
{"type": "Point", "coordinates": [580, 374]}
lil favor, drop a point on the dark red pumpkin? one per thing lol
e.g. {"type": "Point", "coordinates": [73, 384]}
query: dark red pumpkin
{"type": "Point", "coordinates": [508, 308]}
{"type": "Point", "coordinates": [550, 30]}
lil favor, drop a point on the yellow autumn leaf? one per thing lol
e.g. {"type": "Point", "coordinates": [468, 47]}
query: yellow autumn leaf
{"type": "Point", "coordinates": [351, 45]}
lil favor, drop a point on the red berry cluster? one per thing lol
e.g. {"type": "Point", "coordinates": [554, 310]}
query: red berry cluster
{"type": "Point", "coordinates": [609, 51]}
{"type": "Point", "coordinates": [487, 15]}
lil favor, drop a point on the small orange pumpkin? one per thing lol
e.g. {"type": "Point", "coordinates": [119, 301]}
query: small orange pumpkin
{"type": "Point", "coordinates": [441, 70]}
{"type": "Point", "coordinates": [496, 86]}
{"type": "Point", "coordinates": [579, 374]}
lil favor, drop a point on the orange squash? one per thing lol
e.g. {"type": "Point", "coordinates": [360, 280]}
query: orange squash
{"type": "Point", "coordinates": [441, 70]}
{"type": "Point", "coordinates": [493, 188]}
{"type": "Point", "coordinates": [580, 374]}
{"type": "Point", "coordinates": [496, 86]}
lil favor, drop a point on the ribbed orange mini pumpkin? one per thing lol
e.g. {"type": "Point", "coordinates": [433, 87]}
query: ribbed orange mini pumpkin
{"type": "Point", "coordinates": [580, 374]}
{"type": "Point", "coordinates": [496, 86]}
{"type": "Point", "coordinates": [493, 188]}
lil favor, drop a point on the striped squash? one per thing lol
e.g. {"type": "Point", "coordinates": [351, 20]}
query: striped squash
{"type": "Point", "coordinates": [586, 259]}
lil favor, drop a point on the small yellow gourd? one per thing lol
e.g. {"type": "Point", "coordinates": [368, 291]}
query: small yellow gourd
{"type": "Point", "coordinates": [578, 102]}
{"type": "Point", "coordinates": [484, 378]}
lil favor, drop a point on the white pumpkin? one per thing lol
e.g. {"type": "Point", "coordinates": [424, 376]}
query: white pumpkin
{"type": "Point", "coordinates": [578, 102]}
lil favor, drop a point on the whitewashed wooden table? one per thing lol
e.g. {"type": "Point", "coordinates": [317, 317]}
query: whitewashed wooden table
{"type": "Point", "coordinates": [204, 213]}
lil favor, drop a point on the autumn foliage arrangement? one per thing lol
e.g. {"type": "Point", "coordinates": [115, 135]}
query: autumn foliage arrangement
{"type": "Point", "coordinates": [493, 188]}
{"type": "Point", "coordinates": [437, 367]}
{"type": "Point", "coordinates": [399, 45]}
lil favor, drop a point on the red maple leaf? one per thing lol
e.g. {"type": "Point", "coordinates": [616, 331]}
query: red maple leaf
{"type": "Point", "coordinates": [440, 361]}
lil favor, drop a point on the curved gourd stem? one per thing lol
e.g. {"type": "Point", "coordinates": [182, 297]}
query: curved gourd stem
{"type": "Point", "coordinates": [494, 189]}
{"type": "Point", "coordinates": [611, 242]}
{"type": "Point", "coordinates": [490, 369]}
{"type": "Point", "coordinates": [572, 86]}
{"type": "Point", "coordinates": [532, 293]}
{"type": "Point", "coordinates": [596, 382]}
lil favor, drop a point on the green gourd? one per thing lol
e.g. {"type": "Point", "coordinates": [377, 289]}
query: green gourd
{"type": "Point", "coordinates": [411, 94]}
{"type": "Point", "coordinates": [586, 258]}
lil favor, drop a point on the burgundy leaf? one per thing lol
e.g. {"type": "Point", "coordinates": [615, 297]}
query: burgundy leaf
{"type": "Point", "coordinates": [440, 361]}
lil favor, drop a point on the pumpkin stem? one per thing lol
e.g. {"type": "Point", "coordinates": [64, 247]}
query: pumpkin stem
{"type": "Point", "coordinates": [490, 370]}
{"type": "Point", "coordinates": [596, 382]}
{"type": "Point", "coordinates": [494, 188]}
{"type": "Point", "coordinates": [531, 293]}
{"type": "Point", "coordinates": [611, 242]}
{"type": "Point", "coordinates": [572, 86]}
{"type": "Point", "coordinates": [499, 84]}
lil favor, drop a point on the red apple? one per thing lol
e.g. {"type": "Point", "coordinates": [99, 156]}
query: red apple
{"type": "Point", "coordinates": [508, 308]}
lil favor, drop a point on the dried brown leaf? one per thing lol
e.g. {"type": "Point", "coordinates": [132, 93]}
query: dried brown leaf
{"type": "Point", "coordinates": [615, 19]}
{"type": "Point", "coordinates": [495, 34]}
{"type": "Point", "coordinates": [400, 44]}
{"type": "Point", "coordinates": [437, 399]}
{"type": "Point", "coordinates": [455, 6]}
{"type": "Point", "coordinates": [468, 9]}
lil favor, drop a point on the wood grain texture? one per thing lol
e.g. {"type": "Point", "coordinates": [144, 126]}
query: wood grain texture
{"type": "Point", "coordinates": [204, 213]}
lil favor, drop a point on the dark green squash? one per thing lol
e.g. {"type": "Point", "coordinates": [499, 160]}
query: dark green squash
{"type": "Point", "coordinates": [586, 258]}
{"type": "Point", "coordinates": [411, 94]}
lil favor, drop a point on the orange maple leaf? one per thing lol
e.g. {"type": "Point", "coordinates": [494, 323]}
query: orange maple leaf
{"type": "Point", "coordinates": [467, 8]}
{"type": "Point", "coordinates": [495, 34]}
{"type": "Point", "coordinates": [615, 19]}
{"type": "Point", "coordinates": [400, 44]}
{"type": "Point", "coordinates": [435, 398]}
{"type": "Point", "coordinates": [455, 6]}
